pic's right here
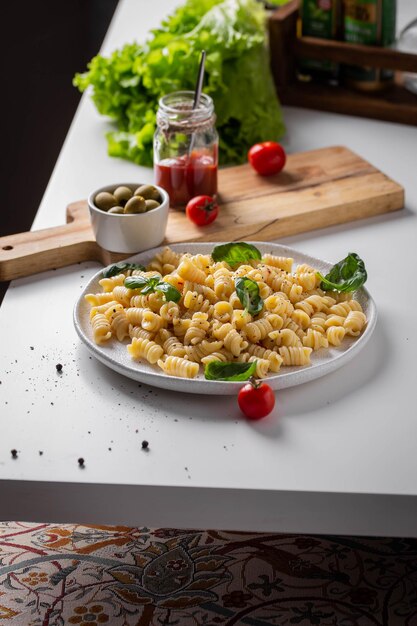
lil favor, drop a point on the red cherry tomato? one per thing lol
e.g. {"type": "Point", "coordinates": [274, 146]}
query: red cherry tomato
{"type": "Point", "coordinates": [256, 400]}
{"type": "Point", "coordinates": [267, 158]}
{"type": "Point", "coordinates": [202, 210]}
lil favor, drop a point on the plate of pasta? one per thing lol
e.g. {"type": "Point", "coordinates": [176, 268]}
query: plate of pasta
{"type": "Point", "coordinates": [163, 315]}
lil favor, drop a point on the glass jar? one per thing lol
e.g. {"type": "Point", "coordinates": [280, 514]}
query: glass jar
{"type": "Point", "coordinates": [186, 147]}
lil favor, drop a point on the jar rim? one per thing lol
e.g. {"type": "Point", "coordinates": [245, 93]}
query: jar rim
{"type": "Point", "coordinates": [167, 103]}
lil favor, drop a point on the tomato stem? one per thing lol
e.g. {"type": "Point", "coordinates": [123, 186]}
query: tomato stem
{"type": "Point", "coordinates": [255, 384]}
{"type": "Point", "coordinates": [209, 206]}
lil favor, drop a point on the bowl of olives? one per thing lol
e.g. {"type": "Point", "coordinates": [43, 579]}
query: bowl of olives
{"type": "Point", "coordinates": [129, 217]}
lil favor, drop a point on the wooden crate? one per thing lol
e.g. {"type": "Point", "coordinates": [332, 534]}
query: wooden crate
{"type": "Point", "coordinates": [395, 104]}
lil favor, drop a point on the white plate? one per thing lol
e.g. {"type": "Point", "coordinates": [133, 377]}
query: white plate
{"type": "Point", "coordinates": [115, 355]}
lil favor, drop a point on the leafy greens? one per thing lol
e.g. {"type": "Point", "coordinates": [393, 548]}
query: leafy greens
{"type": "Point", "coordinates": [127, 85]}
{"type": "Point", "coordinates": [119, 268]}
{"type": "Point", "coordinates": [150, 285]}
{"type": "Point", "coordinates": [248, 293]}
{"type": "Point", "coordinates": [235, 252]}
{"type": "Point", "coordinates": [217, 370]}
{"type": "Point", "coordinates": [347, 275]}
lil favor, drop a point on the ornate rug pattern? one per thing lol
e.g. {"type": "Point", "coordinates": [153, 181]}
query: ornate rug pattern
{"type": "Point", "coordinates": [93, 575]}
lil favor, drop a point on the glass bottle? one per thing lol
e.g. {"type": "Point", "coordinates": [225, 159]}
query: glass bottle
{"type": "Point", "coordinates": [407, 42]}
{"type": "Point", "coordinates": [369, 22]}
{"type": "Point", "coordinates": [186, 147]}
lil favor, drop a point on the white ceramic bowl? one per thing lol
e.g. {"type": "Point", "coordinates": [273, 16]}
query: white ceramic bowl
{"type": "Point", "coordinates": [132, 232]}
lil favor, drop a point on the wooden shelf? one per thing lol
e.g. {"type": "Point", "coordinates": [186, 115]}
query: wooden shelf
{"type": "Point", "coordinates": [395, 104]}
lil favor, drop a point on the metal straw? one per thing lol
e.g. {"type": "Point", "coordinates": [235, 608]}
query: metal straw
{"type": "Point", "coordinates": [197, 95]}
{"type": "Point", "coordinates": [200, 78]}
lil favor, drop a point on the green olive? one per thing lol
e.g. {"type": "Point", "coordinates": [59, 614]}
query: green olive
{"type": "Point", "coordinates": [105, 200]}
{"type": "Point", "coordinates": [116, 209]}
{"type": "Point", "coordinates": [122, 194]}
{"type": "Point", "coordinates": [151, 204]}
{"type": "Point", "coordinates": [136, 204]}
{"type": "Point", "coordinates": [149, 192]}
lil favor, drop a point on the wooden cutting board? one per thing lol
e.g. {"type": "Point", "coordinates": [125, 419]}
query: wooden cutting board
{"type": "Point", "coordinates": [318, 188]}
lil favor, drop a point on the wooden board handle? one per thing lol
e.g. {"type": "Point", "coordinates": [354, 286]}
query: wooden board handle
{"type": "Point", "coordinates": [24, 254]}
{"type": "Point", "coordinates": [318, 188]}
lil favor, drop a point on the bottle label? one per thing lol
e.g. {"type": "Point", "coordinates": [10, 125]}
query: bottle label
{"type": "Point", "coordinates": [319, 20]}
{"type": "Point", "coordinates": [361, 21]}
{"type": "Point", "coordinates": [369, 22]}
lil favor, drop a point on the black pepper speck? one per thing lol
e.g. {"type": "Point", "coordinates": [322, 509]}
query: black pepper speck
{"type": "Point", "coordinates": [145, 445]}
{"type": "Point", "coordinates": [81, 462]}
{"type": "Point", "coordinates": [13, 453]}
{"type": "Point", "coordinates": [58, 367]}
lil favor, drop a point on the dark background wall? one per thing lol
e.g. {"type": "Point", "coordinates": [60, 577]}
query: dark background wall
{"type": "Point", "coordinates": [43, 44]}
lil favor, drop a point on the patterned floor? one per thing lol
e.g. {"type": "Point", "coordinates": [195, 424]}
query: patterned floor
{"type": "Point", "coordinates": [91, 575]}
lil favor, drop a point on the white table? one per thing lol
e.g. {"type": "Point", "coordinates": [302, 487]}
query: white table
{"type": "Point", "coordinates": [337, 456]}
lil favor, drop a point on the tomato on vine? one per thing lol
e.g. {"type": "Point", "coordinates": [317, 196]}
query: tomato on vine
{"type": "Point", "coordinates": [256, 399]}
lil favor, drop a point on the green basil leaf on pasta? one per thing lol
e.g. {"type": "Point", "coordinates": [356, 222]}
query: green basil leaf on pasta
{"type": "Point", "coordinates": [218, 370]}
{"type": "Point", "coordinates": [235, 252]}
{"type": "Point", "coordinates": [171, 293]}
{"type": "Point", "coordinates": [151, 284]}
{"type": "Point", "coordinates": [118, 268]}
{"type": "Point", "coordinates": [136, 282]}
{"type": "Point", "coordinates": [248, 293]}
{"type": "Point", "coordinates": [347, 275]}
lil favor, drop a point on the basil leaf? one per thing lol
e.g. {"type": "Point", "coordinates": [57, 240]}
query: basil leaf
{"type": "Point", "coordinates": [248, 293]}
{"type": "Point", "coordinates": [347, 275]}
{"type": "Point", "coordinates": [152, 284]}
{"type": "Point", "coordinates": [136, 282]}
{"type": "Point", "coordinates": [235, 252]}
{"type": "Point", "coordinates": [218, 370]}
{"type": "Point", "coordinates": [171, 293]}
{"type": "Point", "coordinates": [119, 268]}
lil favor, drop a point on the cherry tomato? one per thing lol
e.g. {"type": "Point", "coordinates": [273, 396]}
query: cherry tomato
{"type": "Point", "coordinates": [202, 210]}
{"type": "Point", "coordinates": [267, 158]}
{"type": "Point", "coordinates": [256, 400]}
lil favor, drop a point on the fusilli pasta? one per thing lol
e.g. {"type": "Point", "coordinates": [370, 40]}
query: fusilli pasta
{"type": "Point", "coordinates": [209, 322]}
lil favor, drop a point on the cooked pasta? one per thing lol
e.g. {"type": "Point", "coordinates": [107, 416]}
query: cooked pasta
{"type": "Point", "coordinates": [209, 322]}
{"type": "Point", "coordinates": [293, 355]}
{"type": "Point", "coordinates": [335, 335]}
{"type": "Point", "coordinates": [140, 333]}
{"type": "Point", "coordinates": [145, 349]}
{"type": "Point", "coordinates": [315, 339]}
{"type": "Point", "coordinates": [171, 344]}
{"type": "Point", "coordinates": [176, 366]}
{"type": "Point", "coordinates": [135, 315]}
{"type": "Point", "coordinates": [262, 365]}
{"type": "Point", "coordinates": [97, 299]}
{"type": "Point", "coordinates": [354, 323]}
{"type": "Point", "coordinates": [165, 262]}
{"type": "Point", "coordinates": [101, 328]}
{"type": "Point", "coordinates": [117, 318]}
{"type": "Point", "coordinates": [108, 284]}
{"type": "Point", "coordinates": [197, 329]}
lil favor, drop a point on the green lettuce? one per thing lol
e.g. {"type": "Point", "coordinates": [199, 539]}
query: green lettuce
{"type": "Point", "coordinates": [127, 85]}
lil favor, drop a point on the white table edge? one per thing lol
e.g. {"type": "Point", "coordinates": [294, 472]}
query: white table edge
{"type": "Point", "coordinates": [150, 506]}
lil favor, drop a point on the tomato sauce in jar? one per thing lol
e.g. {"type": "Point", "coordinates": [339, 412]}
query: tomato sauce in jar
{"type": "Point", "coordinates": [186, 147]}
{"type": "Point", "coordinates": [184, 178]}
